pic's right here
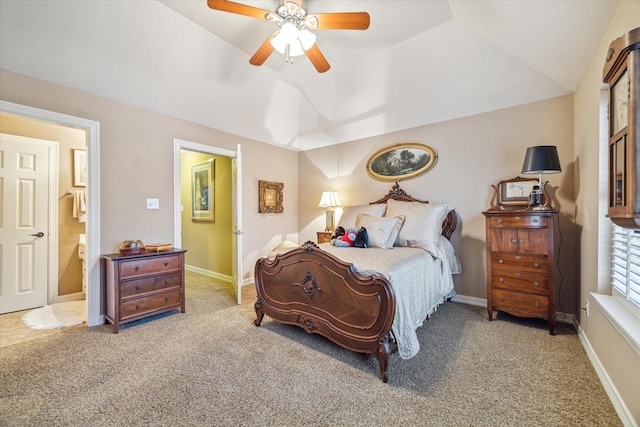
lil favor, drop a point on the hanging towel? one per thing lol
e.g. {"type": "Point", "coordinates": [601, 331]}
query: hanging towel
{"type": "Point", "coordinates": [80, 205]}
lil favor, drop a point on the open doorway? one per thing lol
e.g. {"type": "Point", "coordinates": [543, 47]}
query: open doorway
{"type": "Point", "coordinates": [207, 210]}
{"type": "Point", "coordinates": [91, 135]}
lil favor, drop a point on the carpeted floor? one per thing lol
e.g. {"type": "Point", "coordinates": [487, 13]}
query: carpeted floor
{"type": "Point", "coordinates": [211, 366]}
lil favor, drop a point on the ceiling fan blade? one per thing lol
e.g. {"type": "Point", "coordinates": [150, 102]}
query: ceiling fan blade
{"type": "Point", "coordinates": [343, 21]}
{"type": "Point", "coordinates": [263, 51]}
{"type": "Point", "coordinates": [317, 58]}
{"type": "Point", "coordinates": [240, 9]}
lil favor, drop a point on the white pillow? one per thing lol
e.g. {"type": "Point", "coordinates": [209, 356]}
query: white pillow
{"type": "Point", "coordinates": [382, 231]}
{"type": "Point", "coordinates": [283, 247]}
{"type": "Point", "coordinates": [422, 225]}
{"type": "Point", "coordinates": [350, 213]}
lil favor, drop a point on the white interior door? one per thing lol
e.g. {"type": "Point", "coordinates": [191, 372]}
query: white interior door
{"type": "Point", "coordinates": [236, 168]}
{"type": "Point", "coordinates": [24, 222]}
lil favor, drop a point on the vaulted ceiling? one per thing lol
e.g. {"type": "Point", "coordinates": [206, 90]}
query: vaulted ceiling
{"type": "Point", "coordinates": [419, 62]}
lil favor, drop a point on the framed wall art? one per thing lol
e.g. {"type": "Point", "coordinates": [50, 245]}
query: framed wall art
{"type": "Point", "coordinates": [270, 197]}
{"type": "Point", "coordinates": [402, 161]}
{"type": "Point", "coordinates": [202, 191]}
{"type": "Point", "coordinates": [79, 168]}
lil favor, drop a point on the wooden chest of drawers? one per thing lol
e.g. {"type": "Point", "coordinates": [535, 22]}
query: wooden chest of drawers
{"type": "Point", "coordinates": [521, 264]}
{"type": "Point", "coordinates": [138, 286]}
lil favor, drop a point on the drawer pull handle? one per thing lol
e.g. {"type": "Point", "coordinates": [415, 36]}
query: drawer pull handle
{"type": "Point", "coordinates": [500, 261]}
{"type": "Point", "coordinates": [517, 274]}
{"type": "Point", "coordinates": [518, 257]}
{"type": "Point", "coordinates": [500, 221]}
{"type": "Point", "coordinates": [517, 217]}
{"type": "Point", "coordinates": [536, 264]}
{"type": "Point", "coordinates": [166, 282]}
{"type": "Point", "coordinates": [166, 299]}
{"type": "Point", "coordinates": [137, 306]}
{"type": "Point", "coordinates": [535, 220]}
{"type": "Point", "coordinates": [501, 279]}
{"type": "Point", "coordinates": [537, 304]}
{"type": "Point", "coordinates": [501, 298]}
{"type": "Point", "coordinates": [514, 240]}
{"type": "Point", "coordinates": [536, 284]}
{"type": "Point", "coordinates": [521, 240]}
{"type": "Point", "coordinates": [166, 263]}
{"type": "Point", "coordinates": [137, 267]}
{"type": "Point", "coordinates": [136, 287]}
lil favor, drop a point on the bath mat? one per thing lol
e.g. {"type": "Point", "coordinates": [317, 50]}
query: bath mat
{"type": "Point", "coordinates": [57, 315]}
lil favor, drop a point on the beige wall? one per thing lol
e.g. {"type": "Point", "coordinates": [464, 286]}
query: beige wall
{"type": "Point", "coordinates": [620, 361]}
{"type": "Point", "coordinates": [136, 163]}
{"type": "Point", "coordinates": [207, 242]}
{"type": "Point", "coordinates": [473, 153]}
{"type": "Point", "coordinates": [69, 265]}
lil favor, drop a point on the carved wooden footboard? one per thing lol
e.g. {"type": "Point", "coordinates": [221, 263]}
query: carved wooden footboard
{"type": "Point", "coordinates": [323, 295]}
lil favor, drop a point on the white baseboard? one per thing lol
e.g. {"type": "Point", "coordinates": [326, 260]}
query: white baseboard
{"type": "Point", "coordinates": [208, 273]}
{"type": "Point", "coordinates": [463, 299]}
{"type": "Point", "coordinates": [78, 296]}
{"type": "Point", "coordinates": [610, 389]}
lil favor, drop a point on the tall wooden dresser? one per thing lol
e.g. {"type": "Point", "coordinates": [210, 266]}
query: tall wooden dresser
{"type": "Point", "coordinates": [521, 263]}
{"type": "Point", "coordinates": [142, 285]}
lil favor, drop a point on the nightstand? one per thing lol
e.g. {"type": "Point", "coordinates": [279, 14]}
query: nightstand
{"type": "Point", "coordinates": [324, 236]}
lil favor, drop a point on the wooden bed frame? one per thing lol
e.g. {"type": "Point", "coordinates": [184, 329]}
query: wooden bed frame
{"type": "Point", "coordinates": [316, 291]}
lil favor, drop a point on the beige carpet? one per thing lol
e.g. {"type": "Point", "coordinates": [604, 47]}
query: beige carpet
{"type": "Point", "coordinates": [211, 366]}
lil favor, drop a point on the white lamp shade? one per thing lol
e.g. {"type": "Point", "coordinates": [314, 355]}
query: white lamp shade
{"type": "Point", "coordinates": [307, 39]}
{"type": "Point", "coordinates": [280, 44]}
{"type": "Point", "coordinates": [329, 199]}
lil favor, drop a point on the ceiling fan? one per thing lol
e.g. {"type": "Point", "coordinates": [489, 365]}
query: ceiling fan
{"type": "Point", "coordinates": [293, 38]}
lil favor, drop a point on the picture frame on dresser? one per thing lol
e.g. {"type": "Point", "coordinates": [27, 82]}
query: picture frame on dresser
{"type": "Point", "coordinates": [512, 193]}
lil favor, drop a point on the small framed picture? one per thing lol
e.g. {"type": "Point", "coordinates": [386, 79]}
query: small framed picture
{"type": "Point", "coordinates": [202, 191]}
{"type": "Point", "coordinates": [79, 168]}
{"type": "Point", "coordinates": [270, 197]}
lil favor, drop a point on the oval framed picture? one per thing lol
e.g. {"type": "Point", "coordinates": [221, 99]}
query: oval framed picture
{"type": "Point", "coordinates": [402, 161]}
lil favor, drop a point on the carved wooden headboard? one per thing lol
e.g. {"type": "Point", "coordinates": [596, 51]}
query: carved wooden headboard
{"type": "Point", "coordinates": [396, 193]}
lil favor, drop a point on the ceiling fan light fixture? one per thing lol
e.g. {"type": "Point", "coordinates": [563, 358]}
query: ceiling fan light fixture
{"type": "Point", "coordinates": [307, 39]}
{"type": "Point", "coordinates": [289, 31]}
{"type": "Point", "coordinates": [282, 45]}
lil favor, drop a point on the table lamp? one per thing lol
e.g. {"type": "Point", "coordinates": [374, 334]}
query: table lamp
{"type": "Point", "coordinates": [541, 159]}
{"type": "Point", "coordinates": [330, 200]}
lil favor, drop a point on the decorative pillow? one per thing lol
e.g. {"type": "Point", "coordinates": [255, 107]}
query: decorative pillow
{"type": "Point", "coordinates": [283, 247]}
{"type": "Point", "coordinates": [422, 225]}
{"type": "Point", "coordinates": [382, 231]}
{"type": "Point", "coordinates": [350, 213]}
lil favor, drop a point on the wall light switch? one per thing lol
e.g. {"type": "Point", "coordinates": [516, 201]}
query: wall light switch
{"type": "Point", "coordinates": [153, 204]}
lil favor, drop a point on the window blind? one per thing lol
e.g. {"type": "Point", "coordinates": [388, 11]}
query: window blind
{"type": "Point", "coordinates": [625, 263]}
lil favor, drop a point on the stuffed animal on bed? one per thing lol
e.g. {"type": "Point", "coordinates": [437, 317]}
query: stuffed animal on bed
{"type": "Point", "coordinates": [352, 236]}
{"type": "Point", "coordinates": [344, 238]}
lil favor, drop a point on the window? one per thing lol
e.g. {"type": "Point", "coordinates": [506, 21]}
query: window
{"type": "Point", "coordinates": [625, 267]}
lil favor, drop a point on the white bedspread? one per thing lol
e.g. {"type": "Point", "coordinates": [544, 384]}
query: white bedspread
{"type": "Point", "coordinates": [420, 283]}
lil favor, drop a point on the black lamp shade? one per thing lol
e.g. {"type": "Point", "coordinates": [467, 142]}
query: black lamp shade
{"type": "Point", "coordinates": [541, 159]}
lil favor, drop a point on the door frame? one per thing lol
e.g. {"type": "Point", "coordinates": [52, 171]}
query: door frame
{"type": "Point", "coordinates": [178, 146]}
{"type": "Point", "coordinates": [92, 129]}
